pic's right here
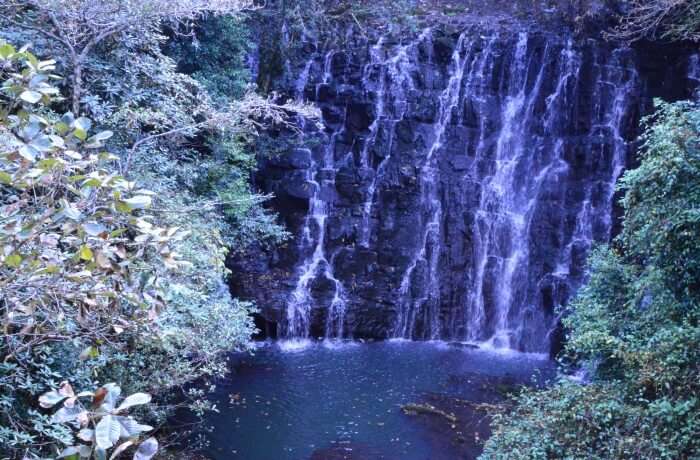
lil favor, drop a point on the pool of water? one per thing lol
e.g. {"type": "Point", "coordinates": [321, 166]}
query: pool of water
{"type": "Point", "coordinates": [299, 401]}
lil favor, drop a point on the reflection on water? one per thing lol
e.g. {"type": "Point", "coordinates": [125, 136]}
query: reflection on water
{"type": "Point", "coordinates": [301, 399]}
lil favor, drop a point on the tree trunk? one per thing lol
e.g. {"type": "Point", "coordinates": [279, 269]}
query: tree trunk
{"type": "Point", "coordinates": [77, 85]}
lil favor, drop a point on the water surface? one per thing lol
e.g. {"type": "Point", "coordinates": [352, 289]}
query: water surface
{"type": "Point", "coordinates": [296, 401]}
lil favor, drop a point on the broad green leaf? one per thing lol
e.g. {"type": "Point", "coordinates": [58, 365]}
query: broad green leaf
{"type": "Point", "coordinates": [138, 202]}
{"type": "Point", "coordinates": [6, 50]}
{"type": "Point", "coordinates": [80, 134]}
{"type": "Point", "coordinates": [136, 399]}
{"type": "Point", "coordinates": [147, 449]}
{"type": "Point", "coordinates": [13, 260]}
{"type": "Point", "coordinates": [5, 178]}
{"type": "Point", "coordinates": [107, 432]}
{"type": "Point", "coordinates": [31, 96]}
{"type": "Point", "coordinates": [122, 207]}
{"type": "Point", "coordinates": [61, 128]}
{"type": "Point", "coordinates": [92, 183]}
{"type": "Point", "coordinates": [86, 253]}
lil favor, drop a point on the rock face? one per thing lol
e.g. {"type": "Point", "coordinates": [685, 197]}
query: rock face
{"type": "Point", "coordinates": [458, 185]}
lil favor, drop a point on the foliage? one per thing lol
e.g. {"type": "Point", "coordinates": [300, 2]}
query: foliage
{"type": "Point", "coordinates": [102, 423]}
{"type": "Point", "coordinates": [214, 52]}
{"type": "Point", "coordinates": [74, 238]}
{"type": "Point", "coordinates": [79, 26]}
{"type": "Point", "coordinates": [634, 326]}
{"type": "Point", "coordinates": [659, 19]}
{"type": "Point", "coordinates": [191, 150]}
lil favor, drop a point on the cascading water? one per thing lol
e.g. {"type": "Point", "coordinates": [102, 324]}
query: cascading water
{"type": "Point", "coordinates": [320, 178]}
{"type": "Point", "coordinates": [459, 189]}
{"type": "Point", "coordinates": [529, 159]}
{"type": "Point", "coordinates": [427, 303]}
{"type": "Point", "coordinates": [397, 70]}
{"type": "Point", "coordinates": [503, 211]}
{"type": "Point", "coordinates": [694, 73]}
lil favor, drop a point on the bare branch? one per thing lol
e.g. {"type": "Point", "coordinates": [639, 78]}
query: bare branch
{"type": "Point", "coordinates": [659, 19]}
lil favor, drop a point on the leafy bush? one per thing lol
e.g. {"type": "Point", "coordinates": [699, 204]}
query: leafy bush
{"type": "Point", "coordinates": [102, 424]}
{"type": "Point", "coordinates": [161, 328]}
{"type": "Point", "coordinates": [74, 239]}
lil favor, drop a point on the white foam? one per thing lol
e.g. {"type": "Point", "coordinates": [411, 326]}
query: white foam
{"type": "Point", "coordinates": [294, 346]}
{"type": "Point", "coordinates": [489, 347]}
{"type": "Point", "coordinates": [339, 344]}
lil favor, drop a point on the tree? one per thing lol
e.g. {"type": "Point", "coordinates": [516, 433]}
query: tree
{"type": "Point", "coordinates": [113, 325]}
{"type": "Point", "coordinates": [79, 26]}
{"type": "Point", "coordinates": [658, 19]}
{"type": "Point", "coordinates": [74, 237]}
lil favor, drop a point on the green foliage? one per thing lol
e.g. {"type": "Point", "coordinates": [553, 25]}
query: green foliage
{"type": "Point", "coordinates": [634, 325]}
{"type": "Point", "coordinates": [101, 424]}
{"type": "Point", "coordinates": [215, 55]}
{"type": "Point", "coordinates": [156, 329]}
{"type": "Point", "coordinates": [74, 240]}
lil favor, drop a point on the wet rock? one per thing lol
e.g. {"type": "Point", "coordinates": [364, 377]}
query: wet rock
{"type": "Point", "coordinates": [549, 205]}
{"type": "Point", "coordinates": [299, 158]}
{"type": "Point", "coordinates": [349, 451]}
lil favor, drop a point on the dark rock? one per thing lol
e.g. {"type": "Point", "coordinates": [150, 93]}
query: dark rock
{"type": "Point", "coordinates": [561, 182]}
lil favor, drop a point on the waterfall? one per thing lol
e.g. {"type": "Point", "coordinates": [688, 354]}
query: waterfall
{"type": "Point", "coordinates": [475, 314]}
{"type": "Point", "coordinates": [320, 178]}
{"type": "Point", "coordinates": [502, 311]}
{"type": "Point", "coordinates": [694, 74]}
{"type": "Point", "coordinates": [460, 183]}
{"type": "Point", "coordinates": [397, 69]}
{"type": "Point", "coordinates": [502, 219]}
{"type": "Point", "coordinates": [302, 81]}
{"type": "Point", "coordinates": [376, 61]}
{"type": "Point", "coordinates": [428, 252]}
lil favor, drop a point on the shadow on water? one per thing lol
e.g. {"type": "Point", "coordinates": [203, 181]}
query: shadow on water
{"type": "Point", "coordinates": [343, 400]}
